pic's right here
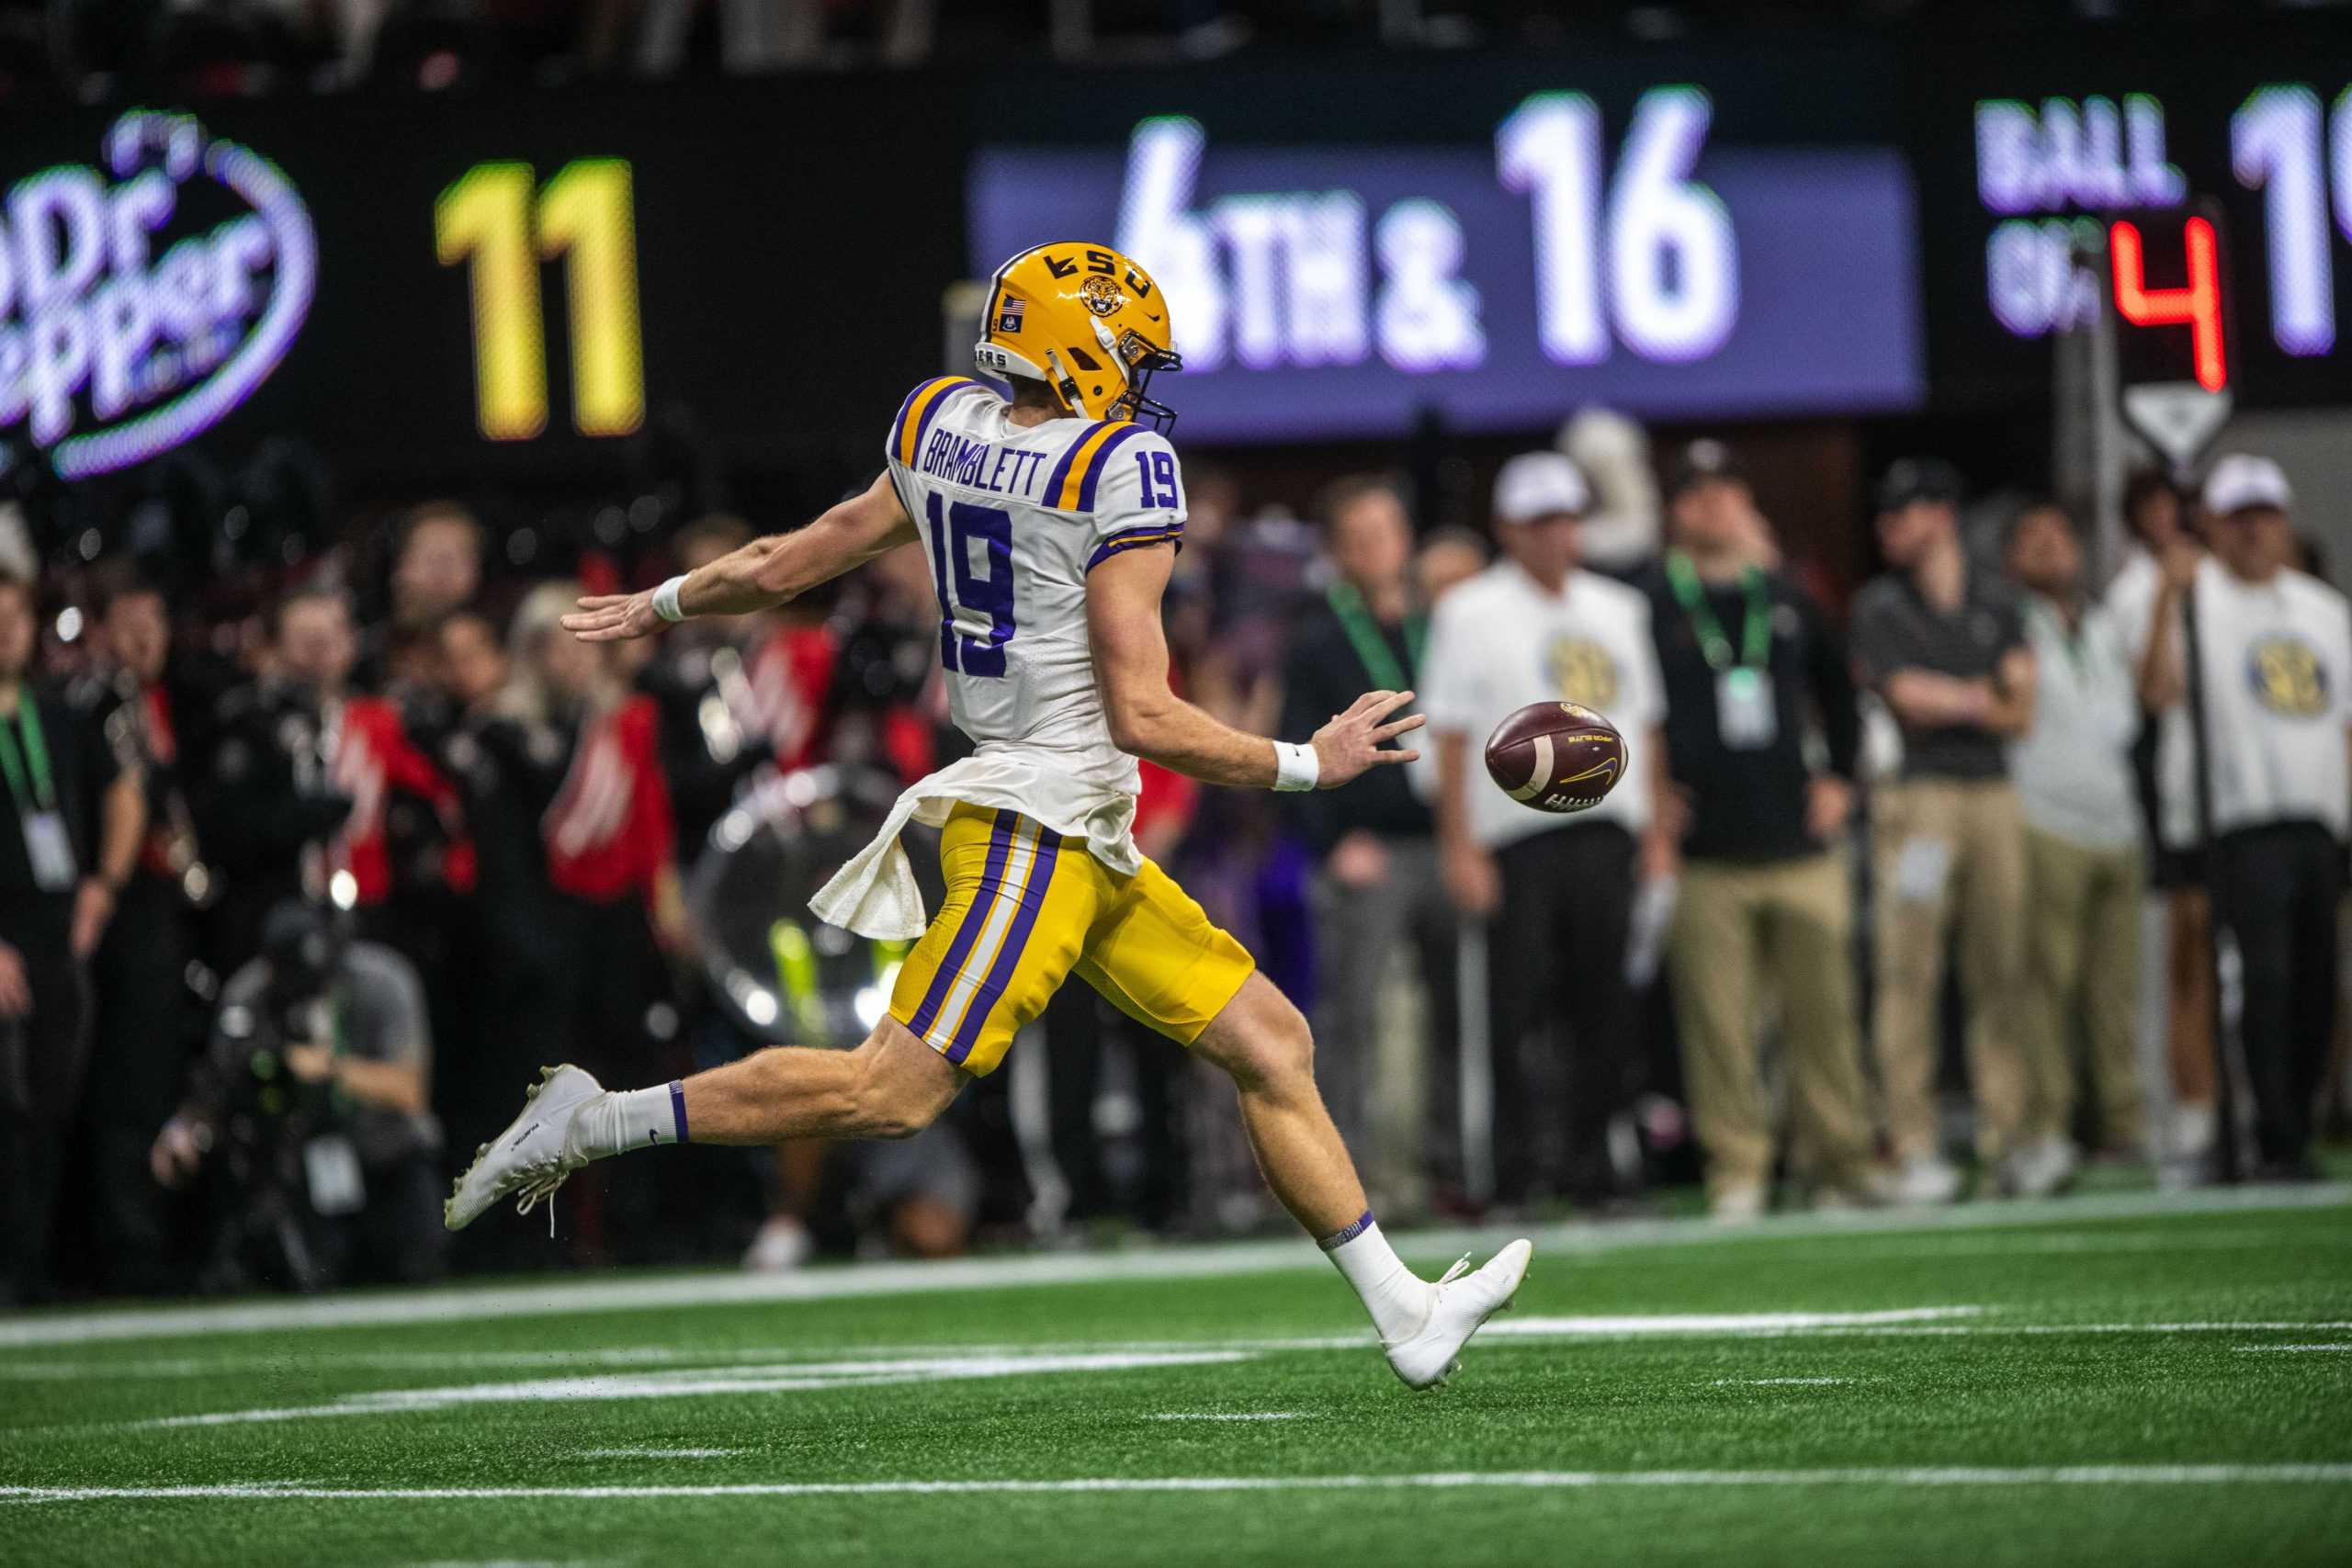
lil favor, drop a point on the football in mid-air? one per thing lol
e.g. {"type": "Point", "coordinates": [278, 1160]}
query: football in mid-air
{"type": "Point", "coordinates": [1555, 757]}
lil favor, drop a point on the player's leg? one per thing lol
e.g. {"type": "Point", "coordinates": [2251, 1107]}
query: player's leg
{"type": "Point", "coordinates": [890, 1087]}
{"type": "Point", "coordinates": [1155, 955]}
{"type": "Point", "coordinates": [1261, 1042]}
{"type": "Point", "coordinates": [968, 985]}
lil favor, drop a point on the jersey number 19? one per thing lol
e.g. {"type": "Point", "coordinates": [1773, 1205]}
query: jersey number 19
{"type": "Point", "coordinates": [954, 527]}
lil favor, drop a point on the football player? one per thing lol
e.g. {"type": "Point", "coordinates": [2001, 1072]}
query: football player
{"type": "Point", "coordinates": [1050, 522]}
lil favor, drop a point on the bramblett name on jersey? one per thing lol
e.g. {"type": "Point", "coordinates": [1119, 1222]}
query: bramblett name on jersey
{"type": "Point", "coordinates": [981, 465]}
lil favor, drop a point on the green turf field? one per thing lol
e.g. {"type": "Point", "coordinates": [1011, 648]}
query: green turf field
{"type": "Point", "coordinates": [2084, 1382]}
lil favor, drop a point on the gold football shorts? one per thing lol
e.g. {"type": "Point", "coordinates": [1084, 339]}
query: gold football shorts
{"type": "Point", "coordinates": [1025, 909]}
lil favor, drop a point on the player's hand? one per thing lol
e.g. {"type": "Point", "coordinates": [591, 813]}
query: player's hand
{"type": "Point", "coordinates": [1471, 880]}
{"type": "Point", "coordinates": [614, 617]}
{"type": "Point", "coordinates": [1351, 743]}
{"type": "Point", "coordinates": [1828, 803]}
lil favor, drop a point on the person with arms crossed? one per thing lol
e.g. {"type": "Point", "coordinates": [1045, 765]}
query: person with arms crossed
{"type": "Point", "coordinates": [1944, 647]}
{"type": "Point", "coordinates": [2085, 871]}
{"type": "Point", "coordinates": [1051, 522]}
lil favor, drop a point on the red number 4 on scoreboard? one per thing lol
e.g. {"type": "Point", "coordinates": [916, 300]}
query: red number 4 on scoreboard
{"type": "Point", "coordinates": [2196, 305]}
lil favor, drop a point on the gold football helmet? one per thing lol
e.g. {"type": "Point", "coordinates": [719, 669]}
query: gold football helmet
{"type": "Point", "coordinates": [1085, 320]}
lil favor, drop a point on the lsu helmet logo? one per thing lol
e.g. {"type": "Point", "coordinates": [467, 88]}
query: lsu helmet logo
{"type": "Point", "coordinates": [1102, 295]}
{"type": "Point", "coordinates": [1089, 323]}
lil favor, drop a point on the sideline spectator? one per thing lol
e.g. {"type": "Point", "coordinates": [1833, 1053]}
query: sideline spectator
{"type": "Point", "coordinates": [2165, 551]}
{"type": "Point", "coordinates": [149, 707]}
{"type": "Point", "coordinates": [2084, 871]}
{"type": "Point", "coordinates": [1944, 648]}
{"type": "Point", "coordinates": [1556, 893]}
{"type": "Point", "coordinates": [1750, 669]}
{"type": "Point", "coordinates": [1376, 886]}
{"type": "Point", "coordinates": [74, 822]}
{"type": "Point", "coordinates": [2277, 687]}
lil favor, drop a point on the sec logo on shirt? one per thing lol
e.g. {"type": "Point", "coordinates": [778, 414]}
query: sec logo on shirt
{"type": "Point", "coordinates": [2288, 677]}
{"type": "Point", "coordinates": [1582, 671]}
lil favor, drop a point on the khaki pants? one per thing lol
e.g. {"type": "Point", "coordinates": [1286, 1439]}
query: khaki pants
{"type": "Point", "coordinates": [1787, 926]}
{"type": "Point", "coordinates": [2083, 931]}
{"type": "Point", "coordinates": [1941, 847]}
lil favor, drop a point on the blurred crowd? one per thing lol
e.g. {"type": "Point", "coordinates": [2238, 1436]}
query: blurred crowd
{"type": "Point", "coordinates": [299, 894]}
{"type": "Point", "coordinates": [101, 49]}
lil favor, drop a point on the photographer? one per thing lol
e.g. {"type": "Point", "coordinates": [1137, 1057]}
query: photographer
{"type": "Point", "coordinates": [314, 1100]}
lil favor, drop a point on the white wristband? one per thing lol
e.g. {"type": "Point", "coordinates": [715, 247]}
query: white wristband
{"type": "Point", "coordinates": [1295, 767]}
{"type": "Point", "coordinates": [665, 599]}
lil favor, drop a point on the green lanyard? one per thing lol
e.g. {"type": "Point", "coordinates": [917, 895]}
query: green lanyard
{"type": "Point", "coordinates": [1364, 634]}
{"type": "Point", "coordinates": [44, 792]}
{"type": "Point", "coordinates": [1755, 626]}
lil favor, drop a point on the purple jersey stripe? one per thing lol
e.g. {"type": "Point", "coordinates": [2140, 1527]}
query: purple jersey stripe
{"type": "Point", "coordinates": [1061, 469]}
{"type": "Point", "coordinates": [899, 424]}
{"type": "Point", "coordinates": [966, 933]}
{"type": "Point", "coordinates": [922, 427]}
{"type": "Point", "coordinates": [1102, 462]}
{"type": "Point", "coordinates": [1032, 898]}
{"type": "Point", "coordinates": [1158, 533]}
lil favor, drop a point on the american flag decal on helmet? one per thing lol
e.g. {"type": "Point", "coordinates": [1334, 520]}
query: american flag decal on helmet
{"type": "Point", "coordinates": [1008, 316]}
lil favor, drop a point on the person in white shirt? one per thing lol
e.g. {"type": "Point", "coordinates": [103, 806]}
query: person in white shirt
{"type": "Point", "coordinates": [1556, 892]}
{"type": "Point", "coordinates": [2084, 873]}
{"type": "Point", "coordinates": [2275, 677]}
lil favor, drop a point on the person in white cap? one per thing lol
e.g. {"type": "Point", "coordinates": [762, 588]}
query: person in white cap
{"type": "Point", "coordinates": [1557, 892]}
{"type": "Point", "coordinates": [2275, 674]}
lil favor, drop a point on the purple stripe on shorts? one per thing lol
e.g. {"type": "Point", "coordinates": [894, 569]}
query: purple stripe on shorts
{"type": "Point", "coordinates": [966, 933]}
{"type": "Point", "coordinates": [1032, 898]}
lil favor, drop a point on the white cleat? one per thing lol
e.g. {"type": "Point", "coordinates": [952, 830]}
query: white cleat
{"type": "Point", "coordinates": [1458, 1305]}
{"type": "Point", "coordinates": [532, 1155]}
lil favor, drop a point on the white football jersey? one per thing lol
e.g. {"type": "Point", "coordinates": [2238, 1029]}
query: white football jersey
{"type": "Point", "coordinates": [1013, 518]}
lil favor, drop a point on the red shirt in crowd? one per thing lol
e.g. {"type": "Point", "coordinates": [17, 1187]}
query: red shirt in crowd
{"type": "Point", "coordinates": [373, 756]}
{"type": "Point", "coordinates": [610, 831]}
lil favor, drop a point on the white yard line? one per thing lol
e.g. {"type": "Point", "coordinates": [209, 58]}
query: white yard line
{"type": "Point", "coordinates": [1538, 1479]}
{"type": "Point", "coordinates": [1780, 1383]}
{"type": "Point", "coordinates": [662, 1453]}
{"type": "Point", "coordinates": [822, 1359]}
{"type": "Point", "coordinates": [558, 1295]}
{"type": "Point", "coordinates": [1235, 1416]}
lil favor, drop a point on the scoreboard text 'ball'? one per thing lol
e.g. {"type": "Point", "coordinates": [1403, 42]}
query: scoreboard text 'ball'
{"type": "Point", "coordinates": [1555, 757]}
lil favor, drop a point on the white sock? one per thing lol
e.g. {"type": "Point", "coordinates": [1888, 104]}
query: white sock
{"type": "Point", "coordinates": [1397, 1299]}
{"type": "Point", "coordinates": [620, 1119]}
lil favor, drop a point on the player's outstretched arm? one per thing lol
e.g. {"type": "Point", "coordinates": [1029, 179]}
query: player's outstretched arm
{"type": "Point", "coordinates": [764, 573]}
{"type": "Point", "coordinates": [1150, 721]}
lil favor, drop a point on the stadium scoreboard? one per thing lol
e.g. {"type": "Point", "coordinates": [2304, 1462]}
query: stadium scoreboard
{"type": "Point", "coordinates": [427, 286]}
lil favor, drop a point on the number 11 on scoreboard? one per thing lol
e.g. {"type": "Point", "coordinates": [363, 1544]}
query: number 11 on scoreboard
{"type": "Point", "coordinates": [491, 221]}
